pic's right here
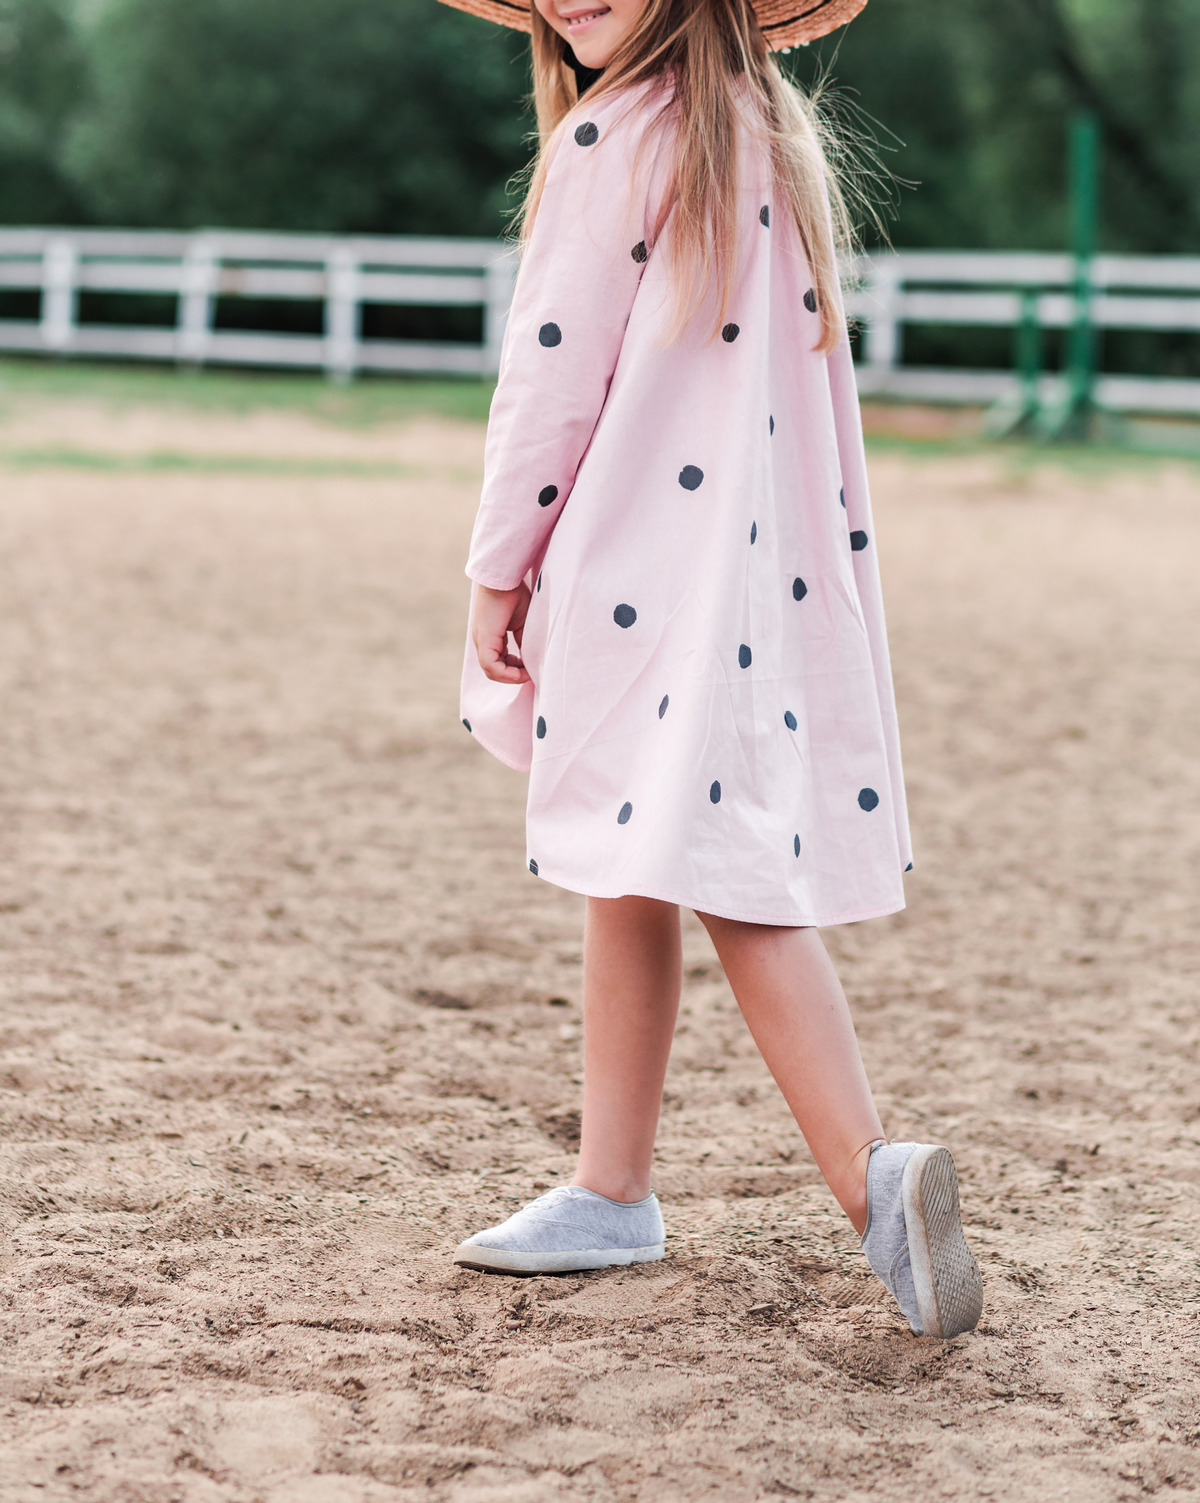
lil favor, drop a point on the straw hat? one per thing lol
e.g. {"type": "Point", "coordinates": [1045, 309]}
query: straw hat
{"type": "Point", "coordinates": [785, 23]}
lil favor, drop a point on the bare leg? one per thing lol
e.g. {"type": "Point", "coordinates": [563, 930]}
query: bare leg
{"type": "Point", "coordinates": [632, 973]}
{"type": "Point", "coordinates": [796, 1011]}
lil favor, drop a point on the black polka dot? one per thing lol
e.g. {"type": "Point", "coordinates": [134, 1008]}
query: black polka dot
{"type": "Point", "coordinates": [908, 868]}
{"type": "Point", "coordinates": [771, 428]}
{"type": "Point", "coordinates": [789, 720]}
{"type": "Point", "coordinates": [714, 793]}
{"type": "Point", "coordinates": [549, 335]}
{"type": "Point", "coordinates": [799, 589]}
{"type": "Point", "coordinates": [587, 134]}
{"type": "Point", "coordinates": [662, 709]}
{"type": "Point", "coordinates": [533, 866]}
{"type": "Point", "coordinates": [858, 541]}
{"type": "Point", "coordinates": [764, 215]}
{"type": "Point", "coordinates": [625, 615]}
{"type": "Point", "coordinates": [547, 495]}
{"type": "Point", "coordinates": [730, 332]}
{"type": "Point", "coordinates": [743, 656]}
{"type": "Point", "coordinates": [868, 799]}
{"type": "Point", "coordinates": [842, 495]}
{"type": "Point", "coordinates": [624, 816]}
{"type": "Point", "coordinates": [539, 583]}
{"type": "Point", "coordinates": [639, 252]}
{"type": "Point", "coordinates": [467, 723]}
{"type": "Point", "coordinates": [810, 300]}
{"type": "Point", "coordinates": [796, 844]}
{"type": "Point", "coordinates": [690, 477]}
{"type": "Point", "coordinates": [541, 728]}
{"type": "Point", "coordinates": [753, 533]}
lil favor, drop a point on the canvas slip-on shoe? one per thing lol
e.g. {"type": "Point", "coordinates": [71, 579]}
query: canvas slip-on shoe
{"type": "Point", "coordinates": [914, 1239]}
{"type": "Point", "coordinates": [568, 1229]}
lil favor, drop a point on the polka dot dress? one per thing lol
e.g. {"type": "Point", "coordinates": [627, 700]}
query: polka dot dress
{"type": "Point", "coordinates": [710, 719]}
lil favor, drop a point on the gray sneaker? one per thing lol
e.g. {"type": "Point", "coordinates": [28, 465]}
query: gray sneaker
{"type": "Point", "coordinates": [914, 1239]}
{"type": "Point", "coordinates": [569, 1228]}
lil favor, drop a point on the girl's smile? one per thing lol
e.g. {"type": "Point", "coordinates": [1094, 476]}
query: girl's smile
{"type": "Point", "coordinates": [594, 31]}
{"type": "Point", "coordinates": [580, 20]}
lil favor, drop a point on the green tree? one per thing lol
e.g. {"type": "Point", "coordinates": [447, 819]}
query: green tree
{"type": "Point", "coordinates": [402, 116]}
{"type": "Point", "coordinates": [366, 116]}
{"type": "Point", "coordinates": [978, 93]}
{"type": "Point", "coordinates": [43, 78]}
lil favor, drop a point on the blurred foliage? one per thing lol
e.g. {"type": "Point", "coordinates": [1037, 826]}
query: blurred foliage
{"type": "Point", "coordinates": [369, 116]}
{"type": "Point", "coordinates": [978, 93]}
{"type": "Point", "coordinates": [43, 82]}
{"type": "Point", "coordinates": [404, 116]}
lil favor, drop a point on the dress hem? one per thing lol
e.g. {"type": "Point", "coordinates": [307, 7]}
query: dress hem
{"type": "Point", "coordinates": [740, 918]}
{"type": "Point", "coordinates": [494, 751]}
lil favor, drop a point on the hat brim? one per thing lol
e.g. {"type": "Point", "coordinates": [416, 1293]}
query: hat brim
{"type": "Point", "coordinates": [785, 23]}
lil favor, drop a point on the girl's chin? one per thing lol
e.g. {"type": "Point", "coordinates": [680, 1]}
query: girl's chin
{"type": "Point", "coordinates": [596, 58]}
{"type": "Point", "coordinates": [592, 51]}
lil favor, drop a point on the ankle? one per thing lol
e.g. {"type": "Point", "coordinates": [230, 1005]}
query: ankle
{"type": "Point", "coordinates": [624, 1187]}
{"type": "Point", "coordinates": [851, 1192]}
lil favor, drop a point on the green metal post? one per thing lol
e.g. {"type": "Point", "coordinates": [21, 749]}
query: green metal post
{"type": "Point", "coordinates": [1081, 350]}
{"type": "Point", "coordinates": [1018, 414]}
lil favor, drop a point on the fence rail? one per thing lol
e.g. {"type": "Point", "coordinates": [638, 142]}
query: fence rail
{"type": "Point", "coordinates": [979, 289]}
{"type": "Point", "coordinates": [342, 274]}
{"type": "Point", "coordinates": [984, 289]}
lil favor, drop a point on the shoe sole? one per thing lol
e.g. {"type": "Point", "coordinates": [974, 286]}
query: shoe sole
{"type": "Point", "coordinates": [496, 1260]}
{"type": "Point", "coordinates": [946, 1277]}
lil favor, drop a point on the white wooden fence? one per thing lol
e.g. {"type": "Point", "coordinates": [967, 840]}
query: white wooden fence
{"type": "Point", "coordinates": [984, 288]}
{"type": "Point", "coordinates": [969, 289]}
{"type": "Point", "coordinates": [342, 274]}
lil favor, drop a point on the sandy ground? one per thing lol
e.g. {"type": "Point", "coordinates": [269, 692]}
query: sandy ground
{"type": "Point", "coordinates": [283, 1017]}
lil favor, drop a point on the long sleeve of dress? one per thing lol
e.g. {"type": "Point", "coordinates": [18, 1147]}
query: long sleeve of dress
{"type": "Point", "coordinates": [574, 292]}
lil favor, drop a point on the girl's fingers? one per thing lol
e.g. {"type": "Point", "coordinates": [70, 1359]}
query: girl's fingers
{"type": "Point", "coordinates": [497, 612]}
{"type": "Point", "coordinates": [506, 670]}
{"type": "Point", "coordinates": [498, 663]}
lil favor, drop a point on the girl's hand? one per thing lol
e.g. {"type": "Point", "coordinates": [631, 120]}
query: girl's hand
{"type": "Point", "coordinates": [498, 612]}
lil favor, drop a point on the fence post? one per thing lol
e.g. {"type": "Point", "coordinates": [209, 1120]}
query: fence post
{"type": "Point", "coordinates": [342, 311]}
{"type": "Point", "coordinates": [197, 292]}
{"type": "Point", "coordinates": [1085, 141]}
{"type": "Point", "coordinates": [59, 294]}
{"type": "Point", "coordinates": [499, 275]}
{"type": "Point", "coordinates": [1017, 413]}
{"type": "Point", "coordinates": [881, 332]}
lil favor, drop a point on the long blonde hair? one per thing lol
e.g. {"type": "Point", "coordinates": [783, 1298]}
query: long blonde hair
{"type": "Point", "coordinates": [712, 51]}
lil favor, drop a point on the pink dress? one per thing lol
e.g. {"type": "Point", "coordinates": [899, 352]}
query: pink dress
{"type": "Point", "coordinates": [711, 719]}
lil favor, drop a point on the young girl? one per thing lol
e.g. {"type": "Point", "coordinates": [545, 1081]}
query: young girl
{"type": "Point", "coordinates": [675, 535]}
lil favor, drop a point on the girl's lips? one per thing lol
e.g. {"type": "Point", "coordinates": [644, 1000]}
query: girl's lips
{"type": "Point", "coordinates": [578, 20]}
